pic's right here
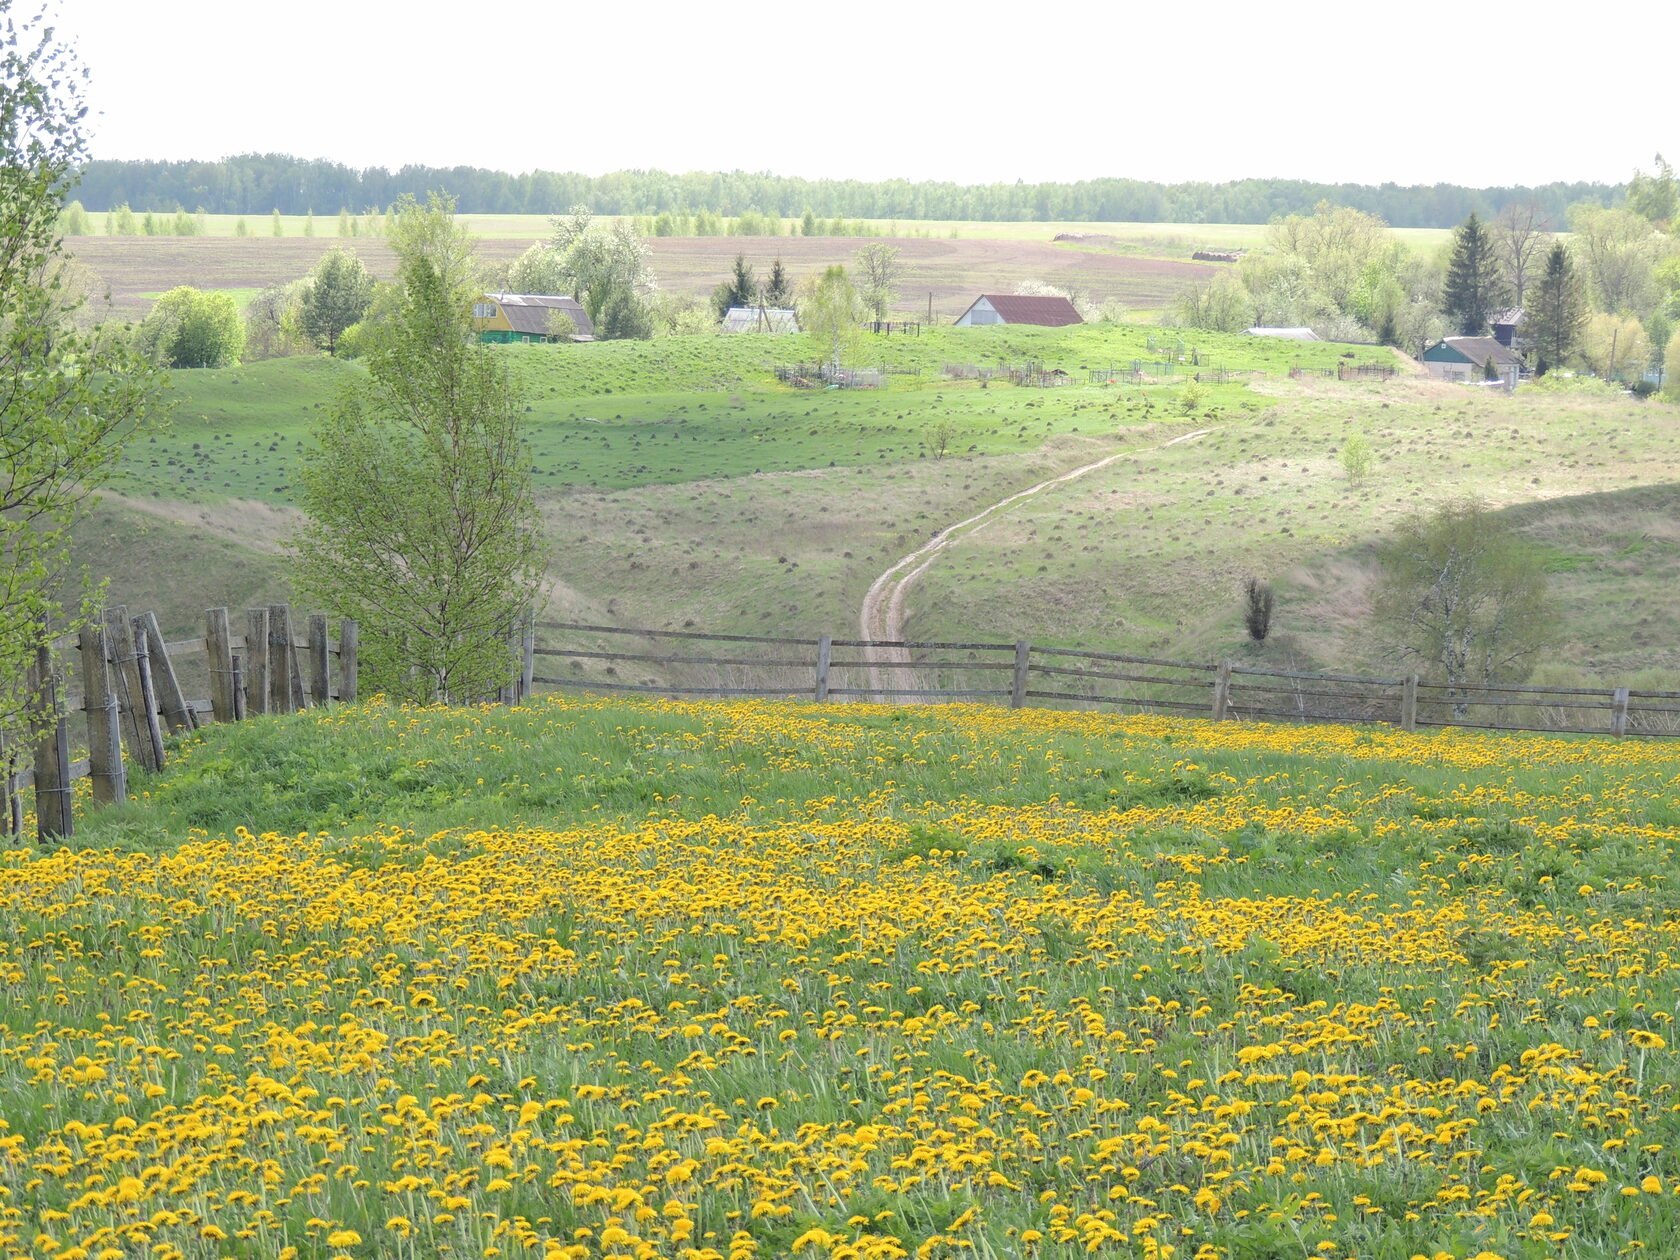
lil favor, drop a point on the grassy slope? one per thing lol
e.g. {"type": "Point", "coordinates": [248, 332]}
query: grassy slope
{"type": "Point", "coordinates": [681, 486]}
{"type": "Point", "coordinates": [917, 974]}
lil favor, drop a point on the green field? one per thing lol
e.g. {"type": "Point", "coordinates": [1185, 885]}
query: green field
{"type": "Point", "coordinates": [582, 980]}
{"type": "Point", "coordinates": [681, 486]}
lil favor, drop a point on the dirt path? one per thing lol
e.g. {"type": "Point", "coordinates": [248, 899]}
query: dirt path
{"type": "Point", "coordinates": [882, 616]}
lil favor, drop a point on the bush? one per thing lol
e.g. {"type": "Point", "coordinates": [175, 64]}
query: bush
{"type": "Point", "coordinates": [1257, 609]}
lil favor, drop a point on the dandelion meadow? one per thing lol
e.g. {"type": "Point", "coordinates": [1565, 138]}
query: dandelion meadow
{"type": "Point", "coordinates": [719, 981]}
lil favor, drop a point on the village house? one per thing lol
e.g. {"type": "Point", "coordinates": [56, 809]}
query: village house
{"type": "Point", "coordinates": [513, 317]}
{"type": "Point", "coordinates": [1012, 308]}
{"type": "Point", "coordinates": [1467, 359]}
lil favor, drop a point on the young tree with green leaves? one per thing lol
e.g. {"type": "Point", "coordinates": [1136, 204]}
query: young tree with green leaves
{"type": "Point", "coordinates": [829, 312]}
{"type": "Point", "coordinates": [879, 271]}
{"type": "Point", "coordinates": [421, 518]}
{"type": "Point", "coordinates": [71, 397]}
{"type": "Point", "coordinates": [336, 295]}
{"type": "Point", "coordinates": [1556, 311]}
{"type": "Point", "coordinates": [1460, 594]}
{"type": "Point", "coordinates": [607, 272]}
{"type": "Point", "coordinates": [1474, 291]}
{"type": "Point", "coordinates": [193, 328]}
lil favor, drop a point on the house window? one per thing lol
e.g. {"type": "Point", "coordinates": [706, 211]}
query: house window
{"type": "Point", "coordinates": [484, 310]}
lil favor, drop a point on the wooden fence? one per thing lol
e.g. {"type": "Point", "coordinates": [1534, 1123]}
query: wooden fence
{"type": "Point", "coordinates": [826, 669]}
{"type": "Point", "coordinates": [132, 686]}
{"type": "Point", "coordinates": [135, 686]}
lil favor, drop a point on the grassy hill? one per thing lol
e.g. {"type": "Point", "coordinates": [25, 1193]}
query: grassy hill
{"type": "Point", "coordinates": [582, 979]}
{"type": "Point", "coordinates": [681, 485]}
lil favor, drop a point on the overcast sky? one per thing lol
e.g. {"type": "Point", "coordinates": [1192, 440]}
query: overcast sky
{"type": "Point", "coordinates": [972, 92]}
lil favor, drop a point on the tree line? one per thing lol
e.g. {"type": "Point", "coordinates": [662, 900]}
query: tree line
{"type": "Point", "coordinates": [1605, 300]}
{"type": "Point", "coordinates": [257, 183]}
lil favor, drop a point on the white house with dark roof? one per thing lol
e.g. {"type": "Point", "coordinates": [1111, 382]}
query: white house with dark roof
{"type": "Point", "coordinates": [1015, 308]}
{"type": "Point", "coordinates": [1467, 359]}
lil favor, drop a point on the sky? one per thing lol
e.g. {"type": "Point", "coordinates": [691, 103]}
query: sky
{"type": "Point", "coordinates": [975, 92]}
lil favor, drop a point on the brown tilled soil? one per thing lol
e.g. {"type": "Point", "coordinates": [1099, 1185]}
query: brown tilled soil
{"type": "Point", "coordinates": [954, 272]}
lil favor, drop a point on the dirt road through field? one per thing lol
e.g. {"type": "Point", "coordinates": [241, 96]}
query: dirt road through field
{"type": "Point", "coordinates": [881, 618]}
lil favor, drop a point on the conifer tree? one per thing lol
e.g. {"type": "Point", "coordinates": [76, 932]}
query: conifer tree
{"type": "Point", "coordinates": [1473, 293]}
{"type": "Point", "coordinates": [1556, 311]}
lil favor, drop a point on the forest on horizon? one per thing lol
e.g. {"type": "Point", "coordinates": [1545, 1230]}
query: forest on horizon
{"type": "Point", "coordinates": [261, 183]}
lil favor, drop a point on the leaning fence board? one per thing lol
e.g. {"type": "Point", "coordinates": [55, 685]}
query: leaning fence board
{"type": "Point", "coordinates": [164, 681]}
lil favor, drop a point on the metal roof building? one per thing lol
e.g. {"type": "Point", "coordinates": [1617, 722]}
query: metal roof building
{"type": "Point", "coordinates": [1014, 308]}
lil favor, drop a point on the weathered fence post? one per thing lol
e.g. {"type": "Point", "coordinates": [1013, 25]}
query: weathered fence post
{"type": "Point", "coordinates": [279, 658]}
{"type": "Point", "coordinates": [825, 656]}
{"type": "Point", "coordinates": [319, 692]}
{"type": "Point", "coordinates": [256, 661]}
{"type": "Point", "coordinates": [218, 648]}
{"type": "Point", "coordinates": [11, 808]}
{"type": "Point", "coordinates": [151, 735]}
{"type": "Point", "coordinates": [125, 664]}
{"type": "Point", "coordinates": [238, 675]}
{"type": "Point", "coordinates": [104, 721]}
{"type": "Point", "coordinates": [1619, 712]}
{"type": "Point", "coordinates": [349, 641]}
{"type": "Point", "coordinates": [1018, 684]}
{"type": "Point", "coordinates": [527, 654]}
{"type": "Point", "coordinates": [1408, 703]}
{"type": "Point", "coordinates": [1222, 691]}
{"type": "Point", "coordinates": [171, 699]}
{"type": "Point", "coordinates": [53, 820]}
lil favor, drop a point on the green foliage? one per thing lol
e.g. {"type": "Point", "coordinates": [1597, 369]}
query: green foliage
{"type": "Point", "coordinates": [778, 289]}
{"type": "Point", "coordinates": [1556, 312]}
{"type": "Point", "coordinates": [1655, 196]}
{"type": "Point", "coordinates": [70, 397]}
{"type": "Point", "coordinates": [741, 289]}
{"type": "Point", "coordinates": [119, 221]}
{"type": "Point", "coordinates": [1474, 291]}
{"type": "Point", "coordinates": [829, 312]}
{"type": "Point", "coordinates": [337, 295]}
{"type": "Point", "coordinates": [606, 270]}
{"type": "Point", "coordinates": [276, 228]}
{"type": "Point", "coordinates": [421, 521]}
{"type": "Point", "coordinates": [1461, 594]}
{"type": "Point", "coordinates": [1356, 459]}
{"type": "Point", "coordinates": [1671, 368]}
{"type": "Point", "coordinates": [74, 221]}
{"type": "Point", "coordinates": [194, 328]}
{"type": "Point", "coordinates": [540, 269]}
{"type": "Point", "coordinates": [879, 273]}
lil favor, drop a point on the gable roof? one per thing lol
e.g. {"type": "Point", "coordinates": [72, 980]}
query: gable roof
{"type": "Point", "coordinates": [528, 312]}
{"type": "Point", "coordinates": [771, 319]}
{"type": "Point", "coordinates": [1015, 308]}
{"type": "Point", "coordinates": [1479, 350]}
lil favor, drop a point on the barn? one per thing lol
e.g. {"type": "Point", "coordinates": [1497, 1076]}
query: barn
{"type": "Point", "coordinates": [1013, 308]}
{"type": "Point", "coordinates": [505, 317]}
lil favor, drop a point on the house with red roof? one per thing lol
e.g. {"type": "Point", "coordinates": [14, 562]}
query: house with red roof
{"type": "Point", "coordinates": [1014, 308]}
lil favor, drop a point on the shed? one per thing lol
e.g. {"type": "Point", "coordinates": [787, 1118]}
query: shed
{"type": "Point", "coordinates": [1505, 325]}
{"type": "Point", "coordinates": [1466, 358]}
{"type": "Point", "coordinates": [764, 319]}
{"type": "Point", "coordinates": [1014, 308]}
{"type": "Point", "coordinates": [506, 317]}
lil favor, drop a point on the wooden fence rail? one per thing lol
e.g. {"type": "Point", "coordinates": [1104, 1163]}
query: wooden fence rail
{"type": "Point", "coordinates": [134, 686]}
{"type": "Point", "coordinates": [828, 669]}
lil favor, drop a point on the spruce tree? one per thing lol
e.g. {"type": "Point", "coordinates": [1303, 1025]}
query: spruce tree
{"type": "Point", "coordinates": [778, 290]}
{"type": "Point", "coordinates": [1556, 311]}
{"type": "Point", "coordinates": [1474, 293]}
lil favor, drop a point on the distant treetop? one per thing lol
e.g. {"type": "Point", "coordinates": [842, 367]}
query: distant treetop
{"type": "Point", "coordinates": [255, 183]}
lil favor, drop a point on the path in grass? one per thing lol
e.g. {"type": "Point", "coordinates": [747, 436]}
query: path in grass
{"type": "Point", "coordinates": [881, 617]}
